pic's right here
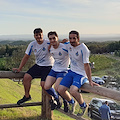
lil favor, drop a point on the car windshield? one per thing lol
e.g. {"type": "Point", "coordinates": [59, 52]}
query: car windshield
{"type": "Point", "coordinates": [114, 106]}
{"type": "Point", "coordinates": [97, 79]}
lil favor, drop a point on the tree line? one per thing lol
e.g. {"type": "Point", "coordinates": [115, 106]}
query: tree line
{"type": "Point", "coordinates": [104, 47]}
{"type": "Point", "coordinates": [12, 53]}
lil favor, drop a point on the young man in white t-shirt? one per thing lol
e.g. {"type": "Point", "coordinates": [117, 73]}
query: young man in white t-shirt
{"type": "Point", "coordinates": [80, 72]}
{"type": "Point", "coordinates": [43, 63]}
{"type": "Point", "coordinates": [60, 67]}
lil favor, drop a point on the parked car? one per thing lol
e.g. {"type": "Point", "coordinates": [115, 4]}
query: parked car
{"type": "Point", "coordinates": [105, 77]}
{"type": "Point", "coordinates": [98, 80]}
{"type": "Point", "coordinates": [96, 103]}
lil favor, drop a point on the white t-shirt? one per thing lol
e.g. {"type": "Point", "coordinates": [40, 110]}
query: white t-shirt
{"type": "Point", "coordinates": [42, 55]}
{"type": "Point", "coordinates": [61, 58]}
{"type": "Point", "coordinates": [78, 56]}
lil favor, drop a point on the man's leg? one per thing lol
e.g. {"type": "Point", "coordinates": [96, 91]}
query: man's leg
{"type": "Point", "coordinates": [78, 81]}
{"type": "Point", "coordinates": [74, 92]}
{"type": "Point", "coordinates": [62, 89]}
{"type": "Point", "coordinates": [27, 84]}
{"type": "Point", "coordinates": [65, 94]}
{"type": "Point", "coordinates": [48, 86]}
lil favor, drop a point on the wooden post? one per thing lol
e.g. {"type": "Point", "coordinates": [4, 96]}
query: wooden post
{"type": "Point", "coordinates": [46, 109]}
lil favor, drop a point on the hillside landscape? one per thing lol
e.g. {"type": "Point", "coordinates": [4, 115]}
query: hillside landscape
{"type": "Point", "coordinates": [105, 63]}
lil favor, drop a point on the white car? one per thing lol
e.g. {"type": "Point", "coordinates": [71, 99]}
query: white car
{"type": "Point", "coordinates": [105, 77]}
{"type": "Point", "coordinates": [98, 80]}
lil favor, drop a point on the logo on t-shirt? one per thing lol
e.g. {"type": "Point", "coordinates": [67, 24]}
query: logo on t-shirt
{"type": "Point", "coordinates": [60, 53]}
{"type": "Point", "coordinates": [35, 50]}
{"type": "Point", "coordinates": [43, 49]}
{"type": "Point", "coordinates": [77, 53]}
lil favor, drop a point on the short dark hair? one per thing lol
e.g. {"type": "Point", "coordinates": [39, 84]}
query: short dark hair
{"type": "Point", "coordinates": [75, 32]}
{"type": "Point", "coordinates": [52, 33]}
{"type": "Point", "coordinates": [106, 102]}
{"type": "Point", "coordinates": [38, 30]}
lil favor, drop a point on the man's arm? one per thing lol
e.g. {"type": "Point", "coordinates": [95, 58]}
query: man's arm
{"type": "Point", "coordinates": [109, 111]}
{"type": "Point", "coordinates": [88, 72]}
{"type": "Point", "coordinates": [23, 62]}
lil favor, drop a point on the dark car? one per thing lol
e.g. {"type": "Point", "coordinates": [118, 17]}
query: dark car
{"type": "Point", "coordinates": [96, 103]}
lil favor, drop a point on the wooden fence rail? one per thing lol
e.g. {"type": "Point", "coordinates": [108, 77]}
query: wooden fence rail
{"type": "Point", "coordinates": [46, 111]}
{"type": "Point", "coordinates": [23, 105]}
{"type": "Point", "coordinates": [113, 94]}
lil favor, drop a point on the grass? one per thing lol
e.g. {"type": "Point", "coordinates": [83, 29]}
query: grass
{"type": "Point", "coordinates": [104, 65]}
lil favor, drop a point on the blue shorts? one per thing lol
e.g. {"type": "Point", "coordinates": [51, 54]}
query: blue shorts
{"type": "Point", "coordinates": [73, 78]}
{"type": "Point", "coordinates": [57, 74]}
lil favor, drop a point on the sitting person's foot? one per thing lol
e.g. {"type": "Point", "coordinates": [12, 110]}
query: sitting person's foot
{"type": "Point", "coordinates": [65, 106]}
{"type": "Point", "coordinates": [81, 111]}
{"type": "Point", "coordinates": [53, 104]}
{"type": "Point", "coordinates": [59, 102]}
{"type": "Point", "coordinates": [71, 107]}
{"type": "Point", "coordinates": [24, 99]}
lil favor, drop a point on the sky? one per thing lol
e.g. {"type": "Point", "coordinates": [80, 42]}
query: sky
{"type": "Point", "coordinates": [85, 16]}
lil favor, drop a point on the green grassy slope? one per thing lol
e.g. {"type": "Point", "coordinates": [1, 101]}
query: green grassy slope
{"type": "Point", "coordinates": [11, 92]}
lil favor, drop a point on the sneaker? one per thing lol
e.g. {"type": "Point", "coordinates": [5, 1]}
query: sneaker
{"type": "Point", "coordinates": [53, 104]}
{"type": "Point", "coordinates": [59, 102]}
{"type": "Point", "coordinates": [81, 111]}
{"type": "Point", "coordinates": [71, 108]}
{"type": "Point", "coordinates": [65, 106]}
{"type": "Point", "coordinates": [24, 99]}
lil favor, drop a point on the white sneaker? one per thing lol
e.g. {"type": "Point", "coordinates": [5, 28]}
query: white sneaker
{"type": "Point", "coordinates": [71, 108]}
{"type": "Point", "coordinates": [81, 111]}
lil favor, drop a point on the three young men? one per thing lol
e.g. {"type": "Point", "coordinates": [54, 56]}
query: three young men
{"type": "Point", "coordinates": [80, 70]}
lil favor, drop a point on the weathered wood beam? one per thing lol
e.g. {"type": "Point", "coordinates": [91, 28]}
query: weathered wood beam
{"type": "Point", "coordinates": [102, 91]}
{"type": "Point", "coordinates": [110, 93]}
{"type": "Point", "coordinates": [23, 105]}
{"type": "Point", "coordinates": [10, 74]}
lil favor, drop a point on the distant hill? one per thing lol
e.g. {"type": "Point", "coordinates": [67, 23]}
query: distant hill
{"type": "Point", "coordinates": [16, 37]}
{"type": "Point", "coordinates": [83, 37]}
{"type": "Point", "coordinates": [18, 42]}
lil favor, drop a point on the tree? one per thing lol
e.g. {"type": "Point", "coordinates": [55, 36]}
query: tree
{"type": "Point", "coordinates": [15, 59]}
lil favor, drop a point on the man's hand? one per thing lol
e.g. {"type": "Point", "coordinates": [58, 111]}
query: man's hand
{"type": "Point", "coordinates": [64, 40]}
{"type": "Point", "coordinates": [16, 70]}
{"type": "Point", "coordinates": [93, 83]}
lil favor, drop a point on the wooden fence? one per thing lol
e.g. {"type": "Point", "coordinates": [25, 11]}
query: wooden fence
{"type": "Point", "coordinates": [46, 110]}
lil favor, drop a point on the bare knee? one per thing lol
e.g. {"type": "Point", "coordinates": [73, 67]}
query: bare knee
{"type": "Point", "coordinates": [46, 87]}
{"type": "Point", "coordinates": [73, 91]}
{"type": "Point", "coordinates": [27, 78]}
{"type": "Point", "coordinates": [60, 89]}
